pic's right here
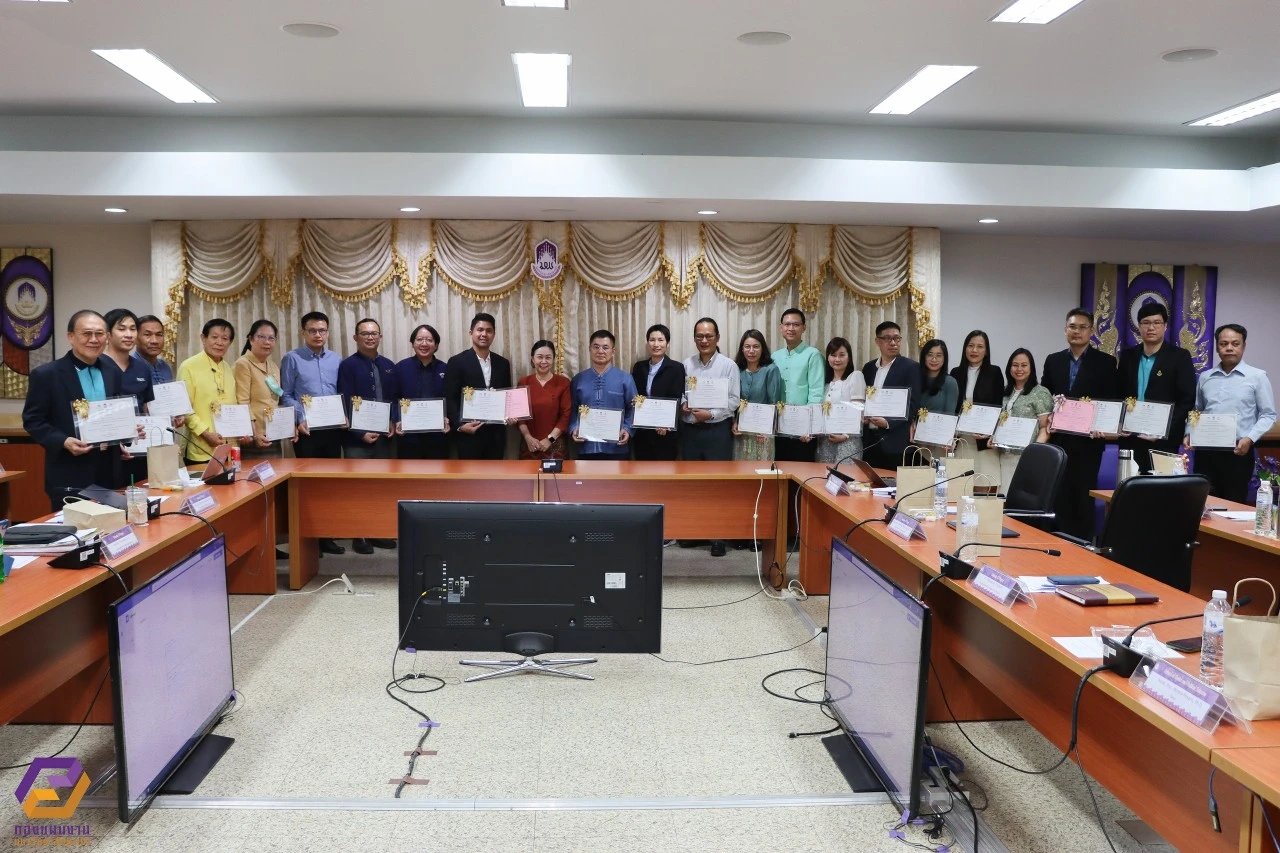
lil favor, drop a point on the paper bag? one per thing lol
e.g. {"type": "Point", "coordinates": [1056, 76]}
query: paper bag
{"type": "Point", "coordinates": [162, 465]}
{"type": "Point", "coordinates": [962, 461]}
{"type": "Point", "coordinates": [915, 475]}
{"type": "Point", "coordinates": [1251, 661]}
{"type": "Point", "coordinates": [990, 524]}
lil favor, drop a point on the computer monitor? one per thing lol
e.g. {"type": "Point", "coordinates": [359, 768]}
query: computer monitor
{"type": "Point", "coordinates": [877, 671]}
{"type": "Point", "coordinates": [530, 578]}
{"type": "Point", "coordinates": [170, 647]}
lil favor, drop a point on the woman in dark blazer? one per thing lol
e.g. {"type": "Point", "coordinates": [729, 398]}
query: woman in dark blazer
{"type": "Point", "coordinates": [667, 384]}
{"type": "Point", "coordinates": [987, 389]}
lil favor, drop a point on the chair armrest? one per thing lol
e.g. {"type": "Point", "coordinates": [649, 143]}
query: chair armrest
{"type": "Point", "coordinates": [1076, 540]}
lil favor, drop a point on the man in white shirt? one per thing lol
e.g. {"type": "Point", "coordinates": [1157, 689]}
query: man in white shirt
{"type": "Point", "coordinates": [707, 434]}
{"type": "Point", "coordinates": [885, 439]}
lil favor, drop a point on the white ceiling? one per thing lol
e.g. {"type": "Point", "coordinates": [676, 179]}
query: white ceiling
{"type": "Point", "coordinates": [1098, 68]}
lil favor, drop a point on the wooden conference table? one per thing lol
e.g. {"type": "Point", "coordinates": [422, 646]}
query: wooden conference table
{"type": "Point", "coordinates": [994, 662]}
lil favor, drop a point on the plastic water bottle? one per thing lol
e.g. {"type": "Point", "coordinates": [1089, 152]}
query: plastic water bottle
{"type": "Point", "coordinates": [940, 491]}
{"type": "Point", "coordinates": [1215, 613]}
{"type": "Point", "coordinates": [1262, 510]}
{"type": "Point", "coordinates": [968, 526]}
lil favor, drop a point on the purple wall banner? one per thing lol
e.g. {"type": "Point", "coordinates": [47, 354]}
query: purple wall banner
{"type": "Point", "coordinates": [1116, 292]}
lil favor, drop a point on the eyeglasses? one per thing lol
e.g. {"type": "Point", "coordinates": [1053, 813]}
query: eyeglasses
{"type": "Point", "coordinates": [91, 335]}
{"type": "Point", "coordinates": [793, 325]}
{"type": "Point", "coordinates": [601, 347]}
{"type": "Point", "coordinates": [266, 339]}
{"type": "Point", "coordinates": [894, 339]}
{"type": "Point", "coordinates": [1078, 327]}
{"type": "Point", "coordinates": [1150, 323]}
{"type": "Point", "coordinates": [368, 334]}
{"type": "Point", "coordinates": [704, 337]}
{"type": "Point", "coordinates": [317, 331]}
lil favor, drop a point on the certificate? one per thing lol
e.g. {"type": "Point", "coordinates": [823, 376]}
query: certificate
{"type": "Point", "coordinates": [757, 418]}
{"type": "Point", "coordinates": [1073, 416]}
{"type": "Point", "coordinates": [232, 421]}
{"type": "Point", "coordinates": [106, 421]}
{"type": "Point", "coordinates": [978, 420]}
{"type": "Point", "coordinates": [422, 415]}
{"type": "Point", "coordinates": [171, 400]}
{"type": "Point", "coordinates": [1212, 430]}
{"type": "Point", "coordinates": [484, 404]}
{"type": "Point", "coordinates": [1016, 433]}
{"type": "Point", "coordinates": [795, 420]}
{"type": "Point", "coordinates": [842, 418]}
{"type": "Point", "coordinates": [1147, 418]}
{"type": "Point", "coordinates": [518, 404]}
{"type": "Point", "coordinates": [370, 415]}
{"type": "Point", "coordinates": [278, 423]}
{"type": "Point", "coordinates": [323, 412]}
{"type": "Point", "coordinates": [702, 392]}
{"type": "Point", "coordinates": [654, 413]}
{"type": "Point", "coordinates": [937, 428]}
{"type": "Point", "coordinates": [1106, 416]}
{"type": "Point", "coordinates": [600, 424]}
{"type": "Point", "coordinates": [887, 402]}
{"type": "Point", "coordinates": [157, 433]}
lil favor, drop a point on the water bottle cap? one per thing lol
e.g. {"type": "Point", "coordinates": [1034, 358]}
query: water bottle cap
{"type": "Point", "coordinates": [1220, 595]}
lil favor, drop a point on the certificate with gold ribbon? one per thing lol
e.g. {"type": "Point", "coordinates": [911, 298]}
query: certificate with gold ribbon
{"type": "Point", "coordinates": [1213, 430]}
{"type": "Point", "coordinates": [488, 405]}
{"type": "Point", "coordinates": [797, 420]}
{"type": "Point", "coordinates": [841, 418]}
{"type": "Point", "coordinates": [887, 402]}
{"type": "Point", "coordinates": [654, 413]}
{"type": "Point", "coordinates": [171, 399]}
{"type": "Point", "coordinates": [1147, 418]}
{"type": "Point", "coordinates": [705, 392]}
{"type": "Point", "coordinates": [110, 421]}
{"type": "Point", "coordinates": [1107, 415]}
{"type": "Point", "coordinates": [936, 428]}
{"type": "Point", "coordinates": [370, 415]}
{"type": "Point", "coordinates": [756, 418]}
{"type": "Point", "coordinates": [1014, 433]}
{"type": "Point", "coordinates": [422, 415]}
{"type": "Point", "coordinates": [323, 412]}
{"type": "Point", "coordinates": [278, 423]}
{"type": "Point", "coordinates": [978, 420]}
{"type": "Point", "coordinates": [232, 420]}
{"type": "Point", "coordinates": [600, 424]}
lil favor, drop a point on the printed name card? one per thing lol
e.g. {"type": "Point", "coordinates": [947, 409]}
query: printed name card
{"type": "Point", "coordinates": [200, 502]}
{"type": "Point", "coordinates": [1182, 693]}
{"type": "Point", "coordinates": [906, 527]}
{"type": "Point", "coordinates": [995, 584]}
{"type": "Point", "coordinates": [261, 472]}
{"type": "Point", "coordinates": [836, 486]}
{"type": "Point", "coordinates": [119, 542]}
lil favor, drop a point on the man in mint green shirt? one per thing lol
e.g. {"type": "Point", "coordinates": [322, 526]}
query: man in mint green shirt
{"type": "Point", "coordinates": [804, 377]}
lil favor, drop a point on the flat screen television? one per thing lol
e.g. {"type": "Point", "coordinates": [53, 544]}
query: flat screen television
{"type": "Point", "coordinates": [530, 578]}
{"type": "Point", "coordinates": [170, 648]}
{"type": "Point", "coordinates": [877, 672]}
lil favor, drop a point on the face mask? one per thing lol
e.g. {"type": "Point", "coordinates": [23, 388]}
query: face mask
{"type": "Point", "coordinates": [274, 386]}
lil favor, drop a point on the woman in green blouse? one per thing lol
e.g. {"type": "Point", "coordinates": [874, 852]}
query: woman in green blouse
{"type": "Point", "coordinates": [760, 382]}
{"type": "Point", "coordinates": [1024, 397]}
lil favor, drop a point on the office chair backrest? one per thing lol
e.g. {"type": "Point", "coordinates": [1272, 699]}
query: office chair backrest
{"type": "Point", "coordinates": [1036, 480]}
{"type": "Point", "coordinates": [1152, 526]}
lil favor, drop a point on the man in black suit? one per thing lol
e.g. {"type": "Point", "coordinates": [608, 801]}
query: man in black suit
{"type": "Point", "coordinates": [1161, 373]}
{"type": "Point", "coordinates": [885, 440]}
{"type": "Point", "coordinates": [84, 373]}
{"type": "Point", "coordinates": [1079, 371]}
{"type": "Point", "coordinates": [477, 368]}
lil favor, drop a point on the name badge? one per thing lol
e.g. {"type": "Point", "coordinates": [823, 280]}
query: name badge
{"type": "Point", "coordinates": [1184, 694]}
{"type": "Point", "coordinates": [120, 542]}
{"type": "Point", "coordinates": [836, 486]}
{"type": "Point", "coordinates": [995, 584]}
{"type": "Point", "coordinates": [200, 503]}
{"type": "Point", "coordinates": [906, 527]}
{"type": "Point", "coordinates": [261, 472]}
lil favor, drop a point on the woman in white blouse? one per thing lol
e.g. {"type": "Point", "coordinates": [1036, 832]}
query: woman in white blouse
{"type": "Point", "coordinates": [844, 385]}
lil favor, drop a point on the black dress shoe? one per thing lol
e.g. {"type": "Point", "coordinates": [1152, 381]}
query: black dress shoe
{"type": "Point", "coordinates": [717, 548]}
{"type": "Point", "coordinates": [328, 546]}
{"type": "Point", "coordinates": [389, 544]}
{"type": "Point", "coordinates": [361, 546]}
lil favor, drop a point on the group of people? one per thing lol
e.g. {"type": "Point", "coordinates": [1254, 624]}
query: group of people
{"type": "Point", "coordinates": [102, 363]}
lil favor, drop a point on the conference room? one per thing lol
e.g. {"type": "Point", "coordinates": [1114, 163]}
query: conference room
{"type": "Point", "coordinates": [387, 216]}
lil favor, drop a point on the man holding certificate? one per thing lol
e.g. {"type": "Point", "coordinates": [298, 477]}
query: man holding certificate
{"type": "Point", "coordinates": [1233, 388]}
{"type": "Point", "coordinates": [602, 404]}
{"type": "Point", "coordinates": [211, 384]}
{"type": "Point", "coordinates": [885, 438]}
{"type": "Point", "coordinates": [84, 373]}
{"type": "Point", "coordinates": [477, 368]}
{"type": "Point", "coordinates": [368, 385]}
{"type": "Point", "coordinates": [712, 388]}
{"type": "Point", "coordinates": [1157, 372]}
{"type": "Point", "coordinates": [803, 372]}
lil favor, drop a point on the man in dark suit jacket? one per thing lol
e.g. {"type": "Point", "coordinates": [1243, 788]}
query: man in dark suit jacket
{"type": "Point", "coordinates": [83, 373]}
{"type": "Point", "coordinates": [1079, 371]}
{"type": "Point", "coordinates": [468, 369]}
{"type": "Point", "coordinates": [885, 440]}
{"type": "Point", "coordinates": [1159, 372]}
{"type": "Point", "coordinates": [667, 384]}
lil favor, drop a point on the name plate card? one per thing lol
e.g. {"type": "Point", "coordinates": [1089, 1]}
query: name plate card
{"type": "Point", "coordinates": [119, 542]}
{"type": "Point", "coordinates": [836, 486]}
{"type": "Point", "coordinates": [261, 472]}
{"type": "Point", "coordinates": [200, 502]}
{"type": "Point", "coordinates": [905, 527]}
{"type": "Point", "coordinates": [995, 584]}
{"type": "Point", "coordinates": [1182, 693]}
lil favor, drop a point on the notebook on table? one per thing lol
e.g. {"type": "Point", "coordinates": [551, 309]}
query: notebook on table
{"type": "Point", "coordinates": [1097, 594]}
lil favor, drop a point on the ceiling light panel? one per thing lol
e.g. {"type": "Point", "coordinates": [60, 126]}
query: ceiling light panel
{"type": "Point", "coordinates": [1256, 107]}
{"type": "Point", "coordinates": [927, 84]}
{"type": "Point", "coordinates": [538, 4]}
{"type": "Point", "coordinates": [1035, 11]}
{"type": "Point", "coordinates": [544, 78]}
{"type": "Point", "coordinates": [147, 68]}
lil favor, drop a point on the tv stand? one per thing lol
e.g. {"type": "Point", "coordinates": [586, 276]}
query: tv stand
{"type": "Point", "coordinates": [529, 644]}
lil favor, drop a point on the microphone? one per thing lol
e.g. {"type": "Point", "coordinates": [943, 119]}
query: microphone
{"type": "Point", "coordinates": [1119, 656]}
{"type": "Point", "coordinates": [892, 509]}
{"type": "Point", "coordinates": [957, 569]}
{"type": "Point", "coordinates": [227, 475]}
{"type": "Point", "coordinates": [849, 478]}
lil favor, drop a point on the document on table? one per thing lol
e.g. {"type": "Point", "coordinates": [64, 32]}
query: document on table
{"type": "Point", "coordinates": [484, 404]}
{"type": "Point", "coordinates": [279, 424]}
{"type": "Point", "coordinates": [1214, 431]}
{"type": "Point", "coordinates": [757, 418]}
{"type": "Point", "coordinates": [937, 428]}
{"type": "Point", "coordinates": [1075, 416]}
{"type": "Point", "coordinates": [518, 404]}
{"type": "Point", "coordinates": [600, 425]}
{"type": "Point", "coordinates": [1041, 583]}
{"type": "Point", "coordinates": [1147, 418]}
{"type": "Point", "coordinates": [171, 399]}
{"type": "Point", "coordinates": [1091, 647]}
{"type": "Point", "coordinates": [232, 420]}
{"type": "Point", "coordinates": [370, 415]}
{"type": "Point", "coordinates": [704, 392]}
{"type": "Point", "coordinates": [655, 413]}
{"type": "Point", "coordinates": [795, 420]}
{"type": "Point", "coordinates": [323, 412]}
{"type": "Point", "coordinates": [157, 432]}
{"type": "Point", "coordinates": [106, 421]}
{"type": "Point", "coordinates": [1016, 433]}
{"type": "Point", "coordinates": [422, 415]}
{"type": "Point", "coordinates": [887, 402]}
{"type": "Point", "coordinates": [843, 418]}
{"type": "Point", "coordinates": [1107, 415]}
{"type": "Point", "coordinates": [979, 420]}
{"type": "Point", "coordinates": [1235, 514]}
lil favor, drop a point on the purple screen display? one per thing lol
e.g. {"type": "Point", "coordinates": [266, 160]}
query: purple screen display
{"type": "Point", "coordinates": [874, 654]}
{"type": "Point", "coordinates": [175, 664]}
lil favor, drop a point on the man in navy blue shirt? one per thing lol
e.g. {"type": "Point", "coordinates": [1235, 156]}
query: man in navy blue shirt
{"type": "Point", "coordinates": [369, 376]}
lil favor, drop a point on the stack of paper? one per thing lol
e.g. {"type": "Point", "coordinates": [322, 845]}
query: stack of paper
{"type": "Point", "coordinates": [61, 546]}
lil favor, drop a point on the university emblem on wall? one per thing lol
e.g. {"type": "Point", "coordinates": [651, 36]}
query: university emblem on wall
{"type": "Point", "coordinates": [26, 315]}
{"type": "Point", "coordinates": [546, 261]}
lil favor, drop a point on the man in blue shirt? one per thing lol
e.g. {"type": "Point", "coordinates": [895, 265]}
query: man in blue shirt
{"type": "Point", "coordinates": [369, 376]}
{"type": "Point", "coordinates": [150, 345]}
{"type": "Point", "coordinates": [312, 369]}
{"type": "Point", "coordinates": [603, 386]}
{"type": "Point", "coordinates": [1233, 387]}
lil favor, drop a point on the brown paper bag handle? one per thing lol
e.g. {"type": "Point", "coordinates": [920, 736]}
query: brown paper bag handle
{"type": "Point", "coordinates": [918, 453]}
{"type": "Point", "coordinates": [974, 480]}
{"type": "Point", "coordinates": [1235, 593]}
{"type": "Point", "coordinates": [962, 440]}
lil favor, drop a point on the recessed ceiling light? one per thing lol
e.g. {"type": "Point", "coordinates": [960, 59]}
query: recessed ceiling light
{"type": "Point", "coordinates": [988, 221]}
{"type": "Point", "coordinates": [764, 38]}
{"type": "Point", "coordinates": [557, 210]}
{"type": "Point", "coordinates": [927, 84]}
{"type": "Point", "coordinates": [311, 30]}
{"type": "Point", "coordinates": [1256, 107]}
{"type": "Point", "coordinates": [410, 209]}
{"type": "Point", "coordinates": [538, 4]}
{"type": "Point", "coordinates": [1035, 11]}
{"type": "Point", "coordinates": [114, 210]}
{"type": "Point", "coordinates": [1190, 54]}
{"type": "Point", "coordinates": [544, 78]}
{"type": "Point", "coordinates": [45, 1]}
{"type": "Point", "coordinates": [149, 69]}
{"type": "Point", "coordinates": [707, 212]}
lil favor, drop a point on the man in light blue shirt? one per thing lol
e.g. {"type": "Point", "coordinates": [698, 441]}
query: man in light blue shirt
{"type": "Point", "coordinates": [804, 379]}
{"type": "Point", "coordinates": [603, 386]}
{"type": "Point", "coordinates": [1233, 387]}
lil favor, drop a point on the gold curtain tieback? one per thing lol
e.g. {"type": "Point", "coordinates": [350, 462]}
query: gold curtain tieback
{"type": "Point", "coordinates": [81, 408]}
{"type": "Point", "coordinates": [355, 403]}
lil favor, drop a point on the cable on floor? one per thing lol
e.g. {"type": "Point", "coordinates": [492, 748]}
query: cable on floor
{"type": "Point", "coordinates": [85, 719]}
{"type": "Point", "coordinates": [1097, 811]}
{"type": "Point", "coordinates": [744, 657]}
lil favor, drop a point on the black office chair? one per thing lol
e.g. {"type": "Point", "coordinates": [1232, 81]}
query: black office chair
{"type": "Point", "coordinates": [1031, 493]}
{"type": "Point", "coordinates": [1151, 526]}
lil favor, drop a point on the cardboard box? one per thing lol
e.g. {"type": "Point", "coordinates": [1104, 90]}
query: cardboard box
{"type": "Point", "coordinates": [87, 514]}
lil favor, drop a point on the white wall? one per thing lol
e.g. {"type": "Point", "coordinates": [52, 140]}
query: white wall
{"type": "Point", "coordinates": [1018, 289]}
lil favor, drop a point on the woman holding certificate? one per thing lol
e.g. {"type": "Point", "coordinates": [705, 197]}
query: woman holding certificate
{"type": "Point", "coordinates": [980, 383]}
{"type": "Point", "coordinates": [258, 386]}
{"type": "Point", "coordinates": [761, 383]}
{"type": "Point", "coordinates": [844, 385]}
{"type": "Point", "coordinates": [661, 377]}
{"type": "Point", "coordinates": [421, 377]}
{"type": "Point", "coordinates": [941, 392]}
{"type": "Point", "coordinates": [542, 436]}
{"type": "Point", "coordinates": [211, 384]}
{"type": "Point", "coordinates": [1024, 397]}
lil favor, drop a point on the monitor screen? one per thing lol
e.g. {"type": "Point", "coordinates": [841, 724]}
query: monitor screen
{"type": "Point", "coordinates": [877, 666]}
{"type": "Point", "coordinates": [171, 669]}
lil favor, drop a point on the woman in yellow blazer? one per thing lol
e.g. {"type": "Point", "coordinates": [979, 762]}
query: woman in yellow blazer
{"type": "Point", "coordinates": [258, 385]}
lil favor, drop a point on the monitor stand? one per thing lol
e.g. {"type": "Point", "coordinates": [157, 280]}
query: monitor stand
{"type": "Point", "coordinates": [852, 766]}
{"type": "Point", "coordinates": [528, 644]}
{"type": "Point", "coordinates": [196, 766]}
